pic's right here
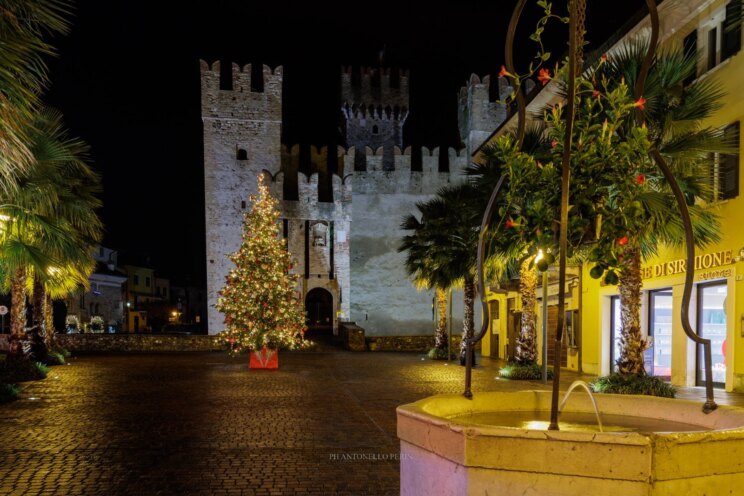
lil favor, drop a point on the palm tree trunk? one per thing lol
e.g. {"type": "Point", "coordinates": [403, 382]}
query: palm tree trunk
{"type": "Point", "coordinates": [632, 345]}
{"type": "Point", "coordinates": [18, 304]}
{"type": "Point", "coordinates": [17, 313]}
{"type": "Point", "coordinates": [440, 339]}
{"type": "Point", "coordinates": [49, 319]}
{"type": "Point", "coordinates": [526, 351]}
{"type": "Point", "coordinates": [39, 307]}
{"type": "Point", "coordinates": [468, 324]}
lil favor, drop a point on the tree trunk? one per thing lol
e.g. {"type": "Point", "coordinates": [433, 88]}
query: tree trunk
{"type": "Point", "coordinates": [632, 345]}
{"type": "Point", "coordinates": [17, 314]}
{"type": "Point", "coordinates": [49, 319]}
{"type": "Point", "coordinates": [18, 304]}
{"type": "Point", "coordinates": [468, 325]}
{"type": "Point", "coordinates": [39, 302]}
{"type": "Point", "coordinates": [526, 350]}
{"type": "Point", "coordinates": [440, 339]}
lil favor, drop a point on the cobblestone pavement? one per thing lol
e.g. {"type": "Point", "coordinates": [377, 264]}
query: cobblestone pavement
{"type": "Point", "coordinates": [203, 424]}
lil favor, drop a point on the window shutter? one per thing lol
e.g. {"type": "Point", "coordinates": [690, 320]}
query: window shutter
{"type": "Point", "coordinates": [690, 51]}
{"type": "Point", "coordinates": [729, 165]}
{"type": "Point", "coordinates": [731, 38]}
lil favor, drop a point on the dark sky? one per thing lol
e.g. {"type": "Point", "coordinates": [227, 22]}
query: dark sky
{"type": "Point", "coordinates": [127, 81]}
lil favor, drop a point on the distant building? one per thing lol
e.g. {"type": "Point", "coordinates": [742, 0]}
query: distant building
{"type": "Point", "coordinates": [190, 302]}
{"type": "Point", "coordinates": [105, 297]}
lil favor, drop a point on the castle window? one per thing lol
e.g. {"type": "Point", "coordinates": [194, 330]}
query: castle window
{"type": "Point", "coordinates": [242, 154]}
{"type": "Point", "coordinates": [320, 230]}
{"type": "Point", "coordinates": [375, 130]}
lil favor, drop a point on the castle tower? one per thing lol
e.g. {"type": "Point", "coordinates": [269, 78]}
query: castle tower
{"type": "Point", "coordinates": [242, 137]}
{"type": "Point", "coordinates": [375, 112]}
{"type": "Point", "coordinates": [478, 116]}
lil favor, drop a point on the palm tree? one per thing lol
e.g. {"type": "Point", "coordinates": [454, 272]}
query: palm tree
{"type": "Point", "coordinates": [23, 74]}
{"type": "Point", "coordinates": [50, 223]}
{"type": "Point", "coordinates": [517, 244]}
{"type": "Point", "coordinates": [673, 113]}
{"type": "Point", "coordinates": [417, 246]}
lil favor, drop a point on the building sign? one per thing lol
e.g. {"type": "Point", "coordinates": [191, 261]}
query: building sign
{"type": "Point", "coordinates": [705, 262]}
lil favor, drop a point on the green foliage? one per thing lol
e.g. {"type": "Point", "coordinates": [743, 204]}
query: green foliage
{"type": "Point", "coordinates": [9, 392]}
{"type": "Point", "coordinates": [523, 372]}
{"type": "Point", "coordinates": [439, 354]}
{"type": "Point", "coordinates": [633, 384]}
{"type": "Point", "coordinates": [61, 351]}
{"type": "Point", "coordinates": [54, 358]}
{"type": "Point", "coordinates": [21, 369]}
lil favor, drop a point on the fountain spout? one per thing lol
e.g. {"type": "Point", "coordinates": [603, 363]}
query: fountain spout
{"type": "Point", "coordinates": [584, 385]}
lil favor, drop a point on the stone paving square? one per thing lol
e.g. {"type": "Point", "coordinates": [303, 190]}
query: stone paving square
{"type": "Point", "coordinates": [203, 424]}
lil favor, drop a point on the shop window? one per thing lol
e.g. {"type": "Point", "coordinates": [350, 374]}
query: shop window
{"type": "Point", "coordinates": [711, 312]}
{"type": "Point", "coordinates": [659, 355]}
{"type": "Point", "coordinates": [615, 328]}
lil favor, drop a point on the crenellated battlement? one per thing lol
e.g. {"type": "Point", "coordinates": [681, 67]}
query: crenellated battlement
{"type": "Point", "coordinates": [380, 113]}
{"type": "Point", "coordinates": [377, 86]}
{"type": "Point", "coordinates": [243, 100]}
{"type": "Point", "coordinates": [478, 114]}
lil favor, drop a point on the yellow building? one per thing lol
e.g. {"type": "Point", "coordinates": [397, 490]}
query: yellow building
{"type": "Point", "coordinates": [717, 308]}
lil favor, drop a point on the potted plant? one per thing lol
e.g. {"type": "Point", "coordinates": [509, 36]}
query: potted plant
{"type": "Point", "coordinates": [262, 310]}
{"type": "Point", "coordinates": [72, 324]}
{"type": "Point", "coordinates": [96, 324]}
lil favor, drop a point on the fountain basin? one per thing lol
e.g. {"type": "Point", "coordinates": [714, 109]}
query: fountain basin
{"type": "Point", "coordinates": [447, 449]}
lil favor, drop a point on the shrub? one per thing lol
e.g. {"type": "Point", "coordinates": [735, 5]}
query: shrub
{"type": "Point", "coordinates": [61, 351]}
{"type": "Point", "coordinates": [439, 354]}
{"type": "Point", "coordinates": [9, 392]}
{"type": "Point", "coordinates": [55, 358]}
{"type": "Point", "coordinates": [524, 372]}
{"type": "Point", "coordinates": [633, 384]}
{"type": "Point", "coordinates": [22, 369]}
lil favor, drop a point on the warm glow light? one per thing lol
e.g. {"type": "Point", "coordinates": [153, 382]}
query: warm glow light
{"type": "Point", "coordinates": [537, 425]}
{"type": "Point", "coordinates": [540, 256]}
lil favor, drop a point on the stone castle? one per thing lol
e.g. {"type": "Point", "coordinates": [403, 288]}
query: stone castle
{"type": "Point", "coordinates": [341, 221]}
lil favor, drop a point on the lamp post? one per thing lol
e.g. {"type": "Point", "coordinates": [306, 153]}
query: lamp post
{"type": "Point", "coordinates": [540, 256]}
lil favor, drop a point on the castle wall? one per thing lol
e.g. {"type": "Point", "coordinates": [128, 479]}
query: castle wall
{"type": "Point", "coordinates": [358, 261]}
{"type": "Point", "coordinates": [235, 120]}
{"type": "Point", "coordinates": [383, 299]}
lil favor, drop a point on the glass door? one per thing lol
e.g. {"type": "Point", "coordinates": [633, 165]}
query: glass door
{"type": "Point", "coordinates": [615, 326]}
{"type": "Point", "coordinates": [711, 311]}
{"type": "Point", "coordinates": [659, 360]}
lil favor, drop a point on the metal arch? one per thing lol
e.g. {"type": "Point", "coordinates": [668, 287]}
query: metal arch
{"type": "Point", "coordinates": [710, 403]}
{"type": "Point", "coordinates": [488, 214]}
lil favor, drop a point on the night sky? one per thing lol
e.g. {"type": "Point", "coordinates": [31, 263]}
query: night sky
{"type": "Point", "coordinates": [127, 81]}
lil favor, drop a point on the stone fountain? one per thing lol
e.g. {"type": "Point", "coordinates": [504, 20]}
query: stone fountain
{"type": "Point", "coordinates": [514, 443]}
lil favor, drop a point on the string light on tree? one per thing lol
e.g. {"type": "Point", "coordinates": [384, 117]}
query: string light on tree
{"type": "Point", "coordinates": [259, 300]}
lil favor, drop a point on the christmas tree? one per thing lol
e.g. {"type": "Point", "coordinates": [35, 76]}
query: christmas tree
{"type": "Point", "coordinates": [261, 307]}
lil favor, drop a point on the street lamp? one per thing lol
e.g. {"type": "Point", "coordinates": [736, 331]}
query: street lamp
{"type": "Point", "coordinates": [538, 258]}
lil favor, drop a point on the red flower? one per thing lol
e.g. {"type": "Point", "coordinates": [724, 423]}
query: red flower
{"type": "Point", "coordinates": [640, 179]}
{"type": "Point", "coordinates": [604, 57]}
{"type": "Point", "coordinates": [623, 241]}
{"type": "Point", "coordinates": [504, 72]}
{"type": "Point", "coordinates": [595, 93]}
{"type": "Point", "coordinates": [544, 76]}
{"type": "Point", "coordinates": [509, 223]}
{"type": "Point", "coordinates": [554, 143]}
{"type": "Point", "coordinates": [641, 103]}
